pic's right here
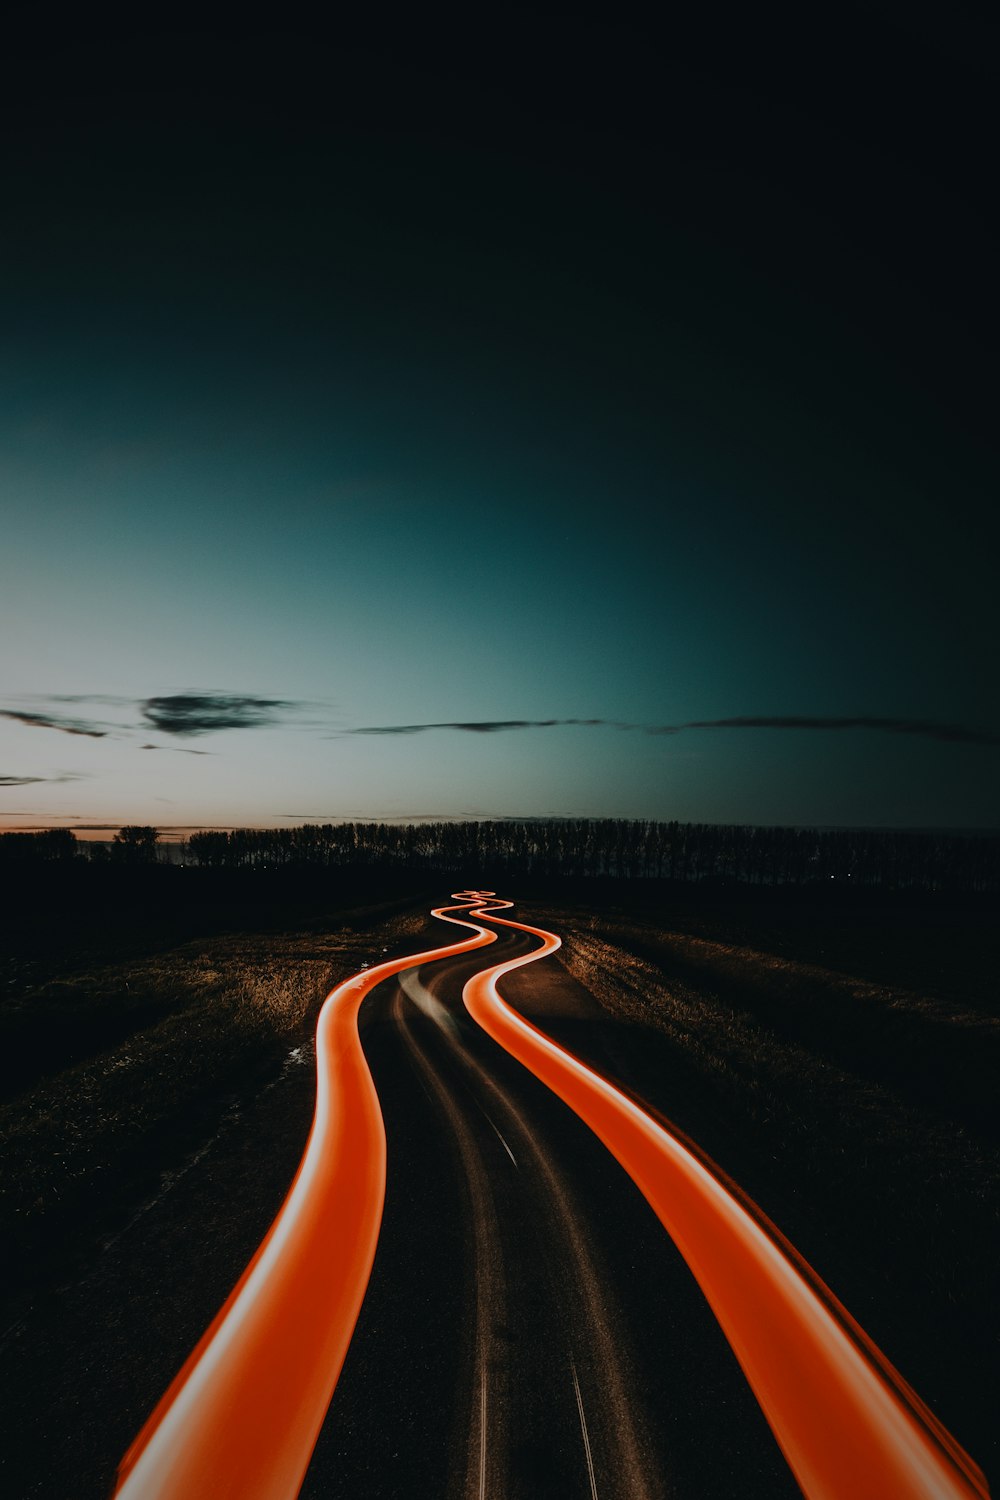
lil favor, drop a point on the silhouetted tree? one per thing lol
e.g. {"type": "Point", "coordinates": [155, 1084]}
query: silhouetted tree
{"type": "Point", "coordinates": [51, 845]}
{"type": "Point", "coordinates": [135, 844]}
{"type": "Point", "coordinates": [697, 853]}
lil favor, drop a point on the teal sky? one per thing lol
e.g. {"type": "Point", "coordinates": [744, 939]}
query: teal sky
{"type": "Point", "coordinates": [383, 421]}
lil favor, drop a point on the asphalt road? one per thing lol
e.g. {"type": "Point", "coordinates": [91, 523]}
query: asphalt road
{"type": "Point", "coordinates": [529, 1328]}
{"type": "Point", "coordinates": [525, 1325]}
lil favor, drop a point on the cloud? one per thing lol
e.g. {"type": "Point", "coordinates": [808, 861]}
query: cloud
{"type": "Point", "coordinates": [54, 721]}
{"type": "Point", "coordinates": [201, 713]}
{"type": "Point", "coordinates": [389, 817]}
{"type": "Point", "coordinates": [176, 749]}
{"type": "Point", "coordinates": [486, 726]}
{"type": "Point", "coordinates": [113, 698]}
{"type": "Point", "coordinates": [33, 812]}
{"type": "Point", "coordinates": [470, 815]}
{"type": "Point", "coordinates": [177, 714]}
{"type": "Point", "coordinates": [168, 828]}
{"type": "Point", "coordinates": [34, 780]}
{"type": "Point", "coordinates": [924, 728]}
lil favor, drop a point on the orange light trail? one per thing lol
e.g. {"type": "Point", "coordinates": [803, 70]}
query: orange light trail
{"type": "Point", "coordinates": [846, 1421]}
{"type": "Point", "coordinates": [242, 1416]}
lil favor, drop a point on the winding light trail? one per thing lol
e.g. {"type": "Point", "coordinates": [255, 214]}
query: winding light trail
{"type": "Point", "coordinates": [848, 1424]}
{"type": "Point", "coordinates": [242, 1416]}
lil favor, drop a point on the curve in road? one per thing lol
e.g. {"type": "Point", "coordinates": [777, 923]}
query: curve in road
{"type": "Point", "coordinates": [846, 1421]}
{"type": "Point", "coordinates": [581, 1324]}
{"type": "Point", "coordinates": [242, 1416]}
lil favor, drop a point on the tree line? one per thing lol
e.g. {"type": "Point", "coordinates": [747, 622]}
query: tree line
{"type": "Point", "coordinates": [690, 853]}
{"type": "Point", "coordinates": [622, 849]}
{"type": "Point", "coordinates": [132, 845]}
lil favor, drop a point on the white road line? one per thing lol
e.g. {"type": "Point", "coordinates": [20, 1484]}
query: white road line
{"type": "Point", "coordinates": [409, 983]}
{"type": "Point", "coordinates": [482, 1438]}
{"type": "Point", "coordinates": [583, 1429]}
{"type": "Point", "coordinates": [502, 1141]}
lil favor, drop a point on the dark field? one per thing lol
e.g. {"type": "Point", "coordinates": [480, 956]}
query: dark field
{"type": "Point", "coordinates": [840, 1062]}
{"type": "Point", "coordinates": [837, 1057]}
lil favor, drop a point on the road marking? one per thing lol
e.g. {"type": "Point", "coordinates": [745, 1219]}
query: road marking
{"type": "Point", "coordinates": [501, 1140]}
{"type": "Point", "coordinates": [483, 1215]}
{"type": "Point", "coordinates": [583, 1429]}
{"type": "Point", "coordinates": [482, 1437]}
{"type": "Point", "coordinates": [422, 997]}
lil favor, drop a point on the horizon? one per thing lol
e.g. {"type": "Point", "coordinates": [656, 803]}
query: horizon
{"type": "Point", "coordinates": [176, 835]}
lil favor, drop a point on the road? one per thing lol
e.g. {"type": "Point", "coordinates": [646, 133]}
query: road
{"type": "Point", "coordinates": [528, 1327]}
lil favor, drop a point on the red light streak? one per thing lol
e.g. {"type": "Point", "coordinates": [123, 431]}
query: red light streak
{"type": "Point", "coordinates": [846, 1421]}
{"type": "Point", "coordinates": [242, 1416]}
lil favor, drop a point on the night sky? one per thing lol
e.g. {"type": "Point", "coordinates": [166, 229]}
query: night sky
{"type": "Point", "coordinates": [554, 370]}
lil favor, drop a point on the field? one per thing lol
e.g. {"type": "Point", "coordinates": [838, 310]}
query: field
{"type": "Point", "coordinates": [835, 1059]}
{"type": "Point", "coordinates": [840, 1064]}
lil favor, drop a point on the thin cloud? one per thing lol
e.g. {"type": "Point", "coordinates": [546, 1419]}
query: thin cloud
{"type": "Point", "coordinates": [162, 828]}
{"type": "Point", "coordinates": [54, 721]}
{"type": "Point", "coordinates": [474, 815]}
{"type": "Point", "coordinates": [486, 726]}
{"type": "Point", "coordinates": [113, 698]}
{"type": "Point", "coordinates": [34, 780]}
{"type": "Point", "coordinates": [169, 829]}
{"type": "Point", "coordinates": [203, 713]}
{"type": "Point", "coordinates": [388, 818]}
{"type": "Point", "coordinates": [177, 749]}
{"type": "Point", "coordinates": [923, 728]}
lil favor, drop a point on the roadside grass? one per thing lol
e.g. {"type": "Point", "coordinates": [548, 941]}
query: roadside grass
{"type": "Point", "coordinates": [861, 1117]}
{"type": "Point", "coordinates": [937, 1055]}
{"type": "Point", "coordinates": [120, 1073]}
{"type": "Point", "coordinates": [765, 1034]}
{"type": "Point", "coordinates": [930, 947]}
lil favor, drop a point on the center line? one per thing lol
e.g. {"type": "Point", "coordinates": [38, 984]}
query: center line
{"type": "Point", "coordinates": [503, 1143]}
{"type": "Point", "coordinates": [583, 1429]}
{"type": "Point", "coordinates": [482, 1439]}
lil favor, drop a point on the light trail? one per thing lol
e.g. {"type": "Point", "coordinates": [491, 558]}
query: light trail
{"type": "Point", "coordinates": [584, 1299]}
{"type": "Point", "coordinates": [845, 1419]}
{"type": "Point", "coordinates": [241, 1418]}
{"type": "Point", "coordinates": [489, 1280]}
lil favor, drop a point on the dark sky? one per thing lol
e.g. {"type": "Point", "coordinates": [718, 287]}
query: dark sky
{"type": "Point", "coordinates": [543, 369]}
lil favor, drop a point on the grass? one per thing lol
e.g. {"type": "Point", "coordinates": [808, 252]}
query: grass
{"type": "Point", "coordinates": [860, 1114]}
{"type": "Point", "coordinates": [116, 1073]}
{"type": "Point", "coordinates": [838, 1060]}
